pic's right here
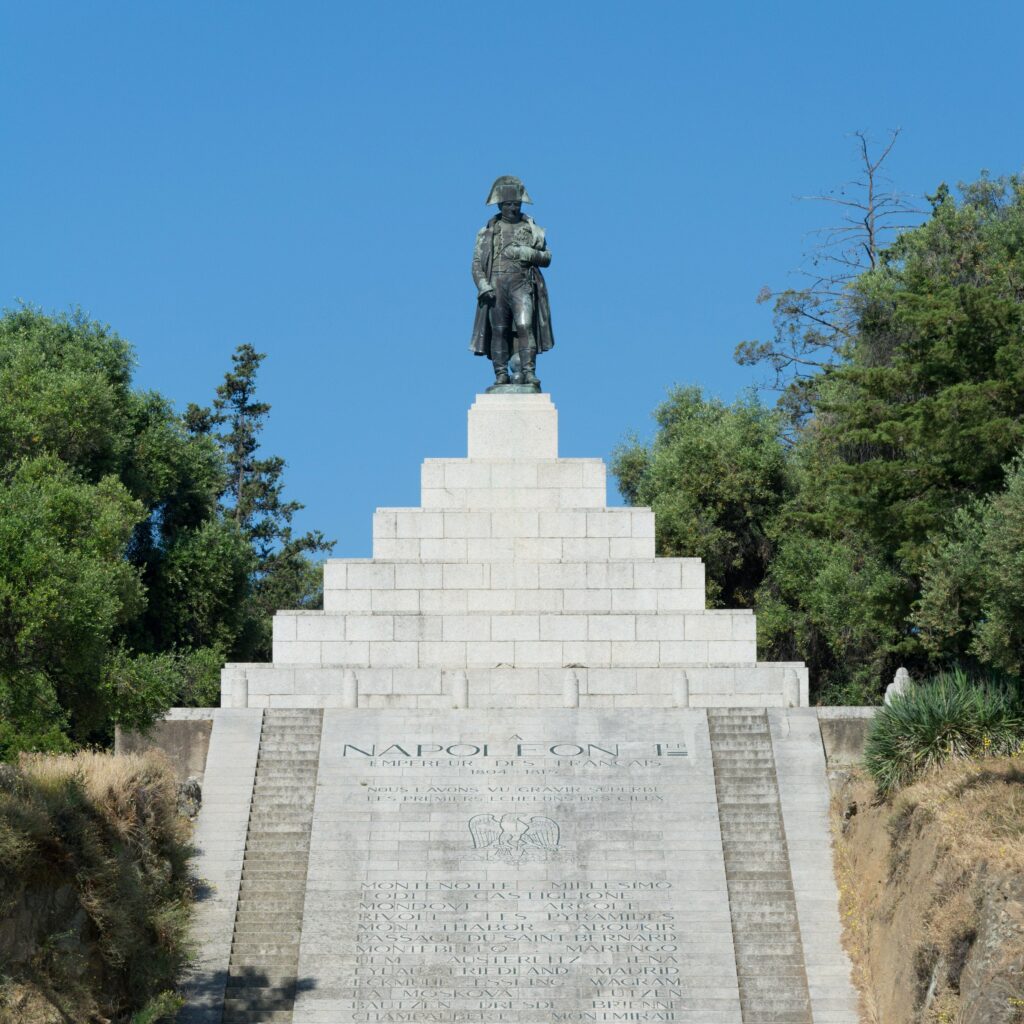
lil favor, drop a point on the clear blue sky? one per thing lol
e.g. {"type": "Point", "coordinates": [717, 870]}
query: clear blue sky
{"type": "Point", "coordinates": [309, 177]}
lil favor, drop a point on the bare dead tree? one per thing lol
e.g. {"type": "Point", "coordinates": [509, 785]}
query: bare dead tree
{"type": "Point", "coordinates": [814, 323]}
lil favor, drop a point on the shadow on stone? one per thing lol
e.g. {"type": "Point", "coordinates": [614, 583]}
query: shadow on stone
{"type": "Point", "coordinates": [235, 995]}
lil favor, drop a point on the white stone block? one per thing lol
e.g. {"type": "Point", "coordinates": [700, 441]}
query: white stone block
{"type": "Point", "coordinates": [370, 576]}
{"type": "Point", "coordinates": [396, 549]}
{"type": "Point", "coordinates": [388, 601]}
{"type": "Point", "coordinates": [491, 602]}
{"type": "Point", "coordinates": [538, 653]}
{"type": "Point", "coordinates": [744, 627]}
{"type": "Point", "coordinates": [660, 627]}
{"type": "Point", "coordinates": [372, 681]}
{"type": "Point", "coordinates": [591, 600]}
{"type": "Point", "coordinates": [467, 627]}
{"type": "Point", "coordinates": [514, 474]}
{"type": "Point", "coordinates": [432, 473]}
{"type": "Point", "coordinates": [562, 524]}
{"type": "Point", "coordinates": [384, 524]}
{"type": "Point", "coordinates": [515, 576]}
{"type": "Point", "coordinates": [467, 524]}
{"type": "Point", "coordinates": [335, 574]}
{"type": "Point", "coordinates": [283, 626]}
{"type": "Point", "coordinates": [610, 681]}
{"type": "Point", "coordinates": [420, 576]}
{"type": "Point", "coordinates": [515, 523]}
{"type": "Point", "coordinates": [563, 627]}
{"type": "Point", "coordinates": [546, 601]}
{"type": "Point", "coordinates": [353, 653]}
{"type": "Point", "coordinates": [418, 627]}
{"type": "Point", "coordinates": [732, 651]}
{"type": "Point", "coordinates": [416, 681]}
{"type": "Point", "coordinates": [538, 549]}
{"type": "Point", "coordinates": [515, 627]}
{"type": "Point", "coordinates": [443, 550]}
{"type": "Point", "coordinates": [489, 653]}
{"type": "Point", "coordinates": [683, 652]}
{"type": "Point", "coordinates": [347, 600]}
{"type": "Point", "coordinates": [579, 497]}
{"type": "Point", "coordinates": [586, 549]}
{"type": "Point", "coordinates": [608, 574]}
{"type": "Point", "coordinates": [631, 547]}
{"type": "Point", "coordinates": [320, 627]}
{"type": "Point", "coordinates": [513, 426]}
{"type": "Point", "coordinates": [609, 523]}
{"type": "Point", "coordinates": [441, 497]}
{"type": "Point", "coordinates": [418, 524]}
{"type": "Point", "coordinates": [444, 602]}
{"type": "Point", "coordinates": [446, 654]}
{"type": "Point", "coordinates": [611, 627]}
{"type": "Point", "coordinates": [560, 473]}
{"type": "Point", "coordinates": [465, 575]}
{"type": "Point", "coordinates": [292, 652]}
{"type": "Point", "coordinates": [660, 574]}
{"type": "Point", "coordinates": [587, 652]}
{"type": "Point", "coordinates": [490, 549]}
{"type": "Point", "coordinates": [369, 627]}
{"type": "Point", "coordinates": [593, 474]}
{"type": "Point", "coordinates": [692, 570]}
{"type": "Point", "coordinates": [462, 473]}
{"type": "Point", "coordinates": [641, 522]}
{"type": "Point", "coordinates": [562, 576]}
{"type": "Point", "coordinates": [680, 600]}
{"type": "Point", "coordinates": [708, 626]}
{"type": "Point", "coordinates": [393, 654]}
{"type": "Point", "coordinates": [636, 600]}
{"type": "Point", "coordinates": [634, 652]}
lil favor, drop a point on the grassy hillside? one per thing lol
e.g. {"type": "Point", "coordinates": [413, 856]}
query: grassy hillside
{"type": "Point", "coordinates": [932, 890]}
{"type": "Point", "coordinates": [94, 893]}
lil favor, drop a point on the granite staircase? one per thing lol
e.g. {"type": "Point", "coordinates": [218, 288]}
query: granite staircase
{"type": "Point", "coordinates": [268, 921]}
{"type": "Point", "coordinates": [770, 965]}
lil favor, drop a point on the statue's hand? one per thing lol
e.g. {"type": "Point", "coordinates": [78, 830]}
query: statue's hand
{"type": "Point", "coordinates": [521, 252]}
{"type": "Point", "coordinates": [486, 296]}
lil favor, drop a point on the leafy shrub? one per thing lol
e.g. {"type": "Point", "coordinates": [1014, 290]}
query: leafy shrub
{"type": "Point", "coordinates": [950, 716]}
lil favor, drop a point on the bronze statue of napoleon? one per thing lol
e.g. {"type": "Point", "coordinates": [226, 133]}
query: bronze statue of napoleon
{"type": "Point", "coordinates": [513, 317]}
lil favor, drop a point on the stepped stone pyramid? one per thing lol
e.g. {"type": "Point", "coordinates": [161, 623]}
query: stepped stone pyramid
{"type": "Point", "coordinates": [514, 585]}
{"type": "Point", "coordinates": [515, 772]}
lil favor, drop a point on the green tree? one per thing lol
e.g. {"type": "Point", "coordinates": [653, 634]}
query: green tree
{"type": "Point", "coordinates": [916, 424]}
{"type": "Point", "coordinates": [138, 549]}
{"type": "Point", "coordinates": [972, 600]}
{"type": "Point", "coordinates": [715, 475]}
{"type": "Point", "coordinates": [284, 573]}
{"type": "Point", "coordinates": [65, 589]}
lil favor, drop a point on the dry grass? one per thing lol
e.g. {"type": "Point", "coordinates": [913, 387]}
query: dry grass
{"type": "Point", "coordinates": [978, 808]}
{"type": "Point", "coordinates": [104, 832]}
{"type": "Point", "coordinates": [914, 875]}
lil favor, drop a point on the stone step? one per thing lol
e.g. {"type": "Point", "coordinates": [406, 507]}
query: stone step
{"type": "Point", "coordinates": [246, 977]}
{"type": "Point", "coordinates": [262, 999]}
{"type": "Point", "coordinates": [257, 1017]}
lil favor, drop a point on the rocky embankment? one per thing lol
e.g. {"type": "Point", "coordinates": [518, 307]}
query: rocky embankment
{"type": "Point", "coordinates": [932, 891]}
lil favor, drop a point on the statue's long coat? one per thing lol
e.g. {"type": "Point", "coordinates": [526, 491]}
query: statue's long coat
{"type": "Point", "coordinates": [480, 345]}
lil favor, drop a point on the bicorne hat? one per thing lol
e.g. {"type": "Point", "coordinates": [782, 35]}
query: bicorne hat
{"type": "Point", "coordinates": [508, 188]}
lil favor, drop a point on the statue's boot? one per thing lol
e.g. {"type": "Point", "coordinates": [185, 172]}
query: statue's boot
{"type": "Point", "coordinates": [499, 354]}
{"type": "Point", "coordinates": [528, 360]}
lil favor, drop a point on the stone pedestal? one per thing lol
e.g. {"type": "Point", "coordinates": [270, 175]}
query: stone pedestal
{"type": "Point", "coordinates": [512, 571]}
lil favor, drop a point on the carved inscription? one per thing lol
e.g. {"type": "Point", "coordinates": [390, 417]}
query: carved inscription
{"type": "Point", "coordinates": [496, 879]}
{"type": "Point", "coordinates": [599, 950]}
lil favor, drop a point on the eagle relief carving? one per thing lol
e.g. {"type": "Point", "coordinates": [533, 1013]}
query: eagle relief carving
{"type": "Point", "coordinates": [512, 839]}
